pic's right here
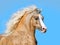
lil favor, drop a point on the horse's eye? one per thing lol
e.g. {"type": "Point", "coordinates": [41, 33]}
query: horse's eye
{"type": "Point", "coordinates": [37, 18]}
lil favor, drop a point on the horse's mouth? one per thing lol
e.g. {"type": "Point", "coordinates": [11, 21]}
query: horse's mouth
{"type": "Point", "coordinates": [43, 30]}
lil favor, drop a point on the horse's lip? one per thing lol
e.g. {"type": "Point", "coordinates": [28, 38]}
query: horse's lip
{"type": "Point", "coordinates": [43, 30]}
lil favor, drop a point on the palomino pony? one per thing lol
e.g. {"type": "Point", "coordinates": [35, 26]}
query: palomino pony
{"type": "Point", "coordinates": [21, 27]}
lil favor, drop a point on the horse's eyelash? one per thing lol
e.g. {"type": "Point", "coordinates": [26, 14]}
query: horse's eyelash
{"type": "Point", "coordinates": [36, 18]}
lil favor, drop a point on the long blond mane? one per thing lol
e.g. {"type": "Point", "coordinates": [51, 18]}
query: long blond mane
{"type": "Point", "coordinates": [16, 17]}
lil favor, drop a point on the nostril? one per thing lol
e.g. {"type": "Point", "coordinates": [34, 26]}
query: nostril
{"type": "Point", "coordinates": [43, 28]}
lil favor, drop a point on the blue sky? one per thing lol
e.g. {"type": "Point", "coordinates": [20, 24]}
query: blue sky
{"type": "Point", "coordinates": [50, 11]}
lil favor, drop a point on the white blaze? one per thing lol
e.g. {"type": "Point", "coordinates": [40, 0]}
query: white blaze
{"type": "Point", "coordinates": [41, 22]}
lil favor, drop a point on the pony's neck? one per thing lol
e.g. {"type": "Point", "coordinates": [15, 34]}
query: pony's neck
{"type": "Point", "coordinates": [25, 21]}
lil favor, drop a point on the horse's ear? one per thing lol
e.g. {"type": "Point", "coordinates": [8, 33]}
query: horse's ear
{"type": "Point", "coordinates": [40, 10]}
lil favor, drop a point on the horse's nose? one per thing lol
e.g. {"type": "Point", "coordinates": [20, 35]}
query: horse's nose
{"type": "Point", "coordinates": [44, 29]}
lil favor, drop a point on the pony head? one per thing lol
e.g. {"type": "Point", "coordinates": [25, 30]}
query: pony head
{"type": "Point", "coordinates": [37, 21]}
{"type": "Point", "coordinates": [33, 13]}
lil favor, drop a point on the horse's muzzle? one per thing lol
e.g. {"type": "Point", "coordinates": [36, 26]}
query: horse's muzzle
{"type": "Point", "coordinates": [43, 30]}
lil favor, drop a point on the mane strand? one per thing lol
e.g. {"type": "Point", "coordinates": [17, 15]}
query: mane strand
{"type": "Point", "coordinates": [16, 17]}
